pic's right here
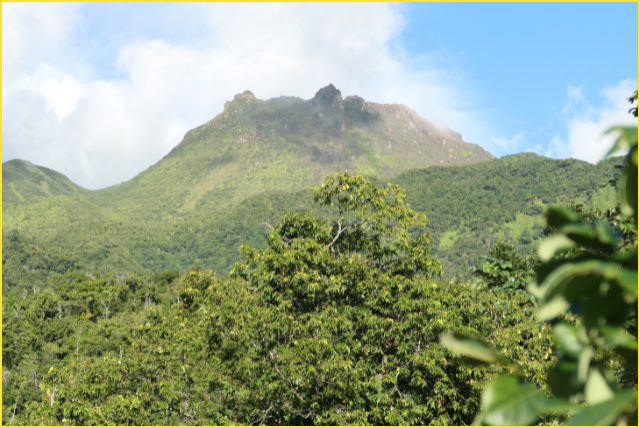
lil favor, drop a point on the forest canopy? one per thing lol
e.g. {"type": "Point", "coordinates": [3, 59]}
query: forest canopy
{"type": "Point", "coordinates": [342, 314]}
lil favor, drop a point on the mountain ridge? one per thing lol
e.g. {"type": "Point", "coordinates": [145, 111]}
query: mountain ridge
{"type": "Point", "coordinates": [256, 149]}
{"type": "Point", "coordinates": [28, 182]}
{"type": "Point", "coordinates": [283, 143]}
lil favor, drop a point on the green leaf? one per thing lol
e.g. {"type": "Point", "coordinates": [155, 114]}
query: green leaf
{"type": "Point", "coordinates": [596, 390]}
{"type": "Point", "coordinates": [615, 336]}
{"type": "Point", "coordinates": [557, 216]}
{"type": "Point", "coordinates": [567, 338]}
{"type": "Point", "coordinates": [562, 379]}
{"type": "Point", "coordinates": [554, 244]}
{"type": "Point", "coordinates": [628, 260]}
{"type": "Point", "coordinates": [628, 280]}
{"type": "Point", "coordinates": [605, 233]}
{"type": "Point", "coordinates": [571, 281]}
{"type": "Point", "coordinates": [553, 308]}
{"type": "Point", "coordinates": [607, 412]}
{"type": "Point", "coordinates": [608, 307]}
{"type": "Point", "coordinates": [627, 139]}
{"type": "Point", "coordinates": [510, 401]}
{"type": "Point", "coordinates": [584, 361]}
{"type": "Point", "coordinates": [598, 236]}
{"type": "Point", "coordinates": [628, 182]}
{"type": "Point", "coordinates": [473, 349]}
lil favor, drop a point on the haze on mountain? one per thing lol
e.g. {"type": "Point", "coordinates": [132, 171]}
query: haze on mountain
{"type": "Point", "coordinates": [229, 179]}
{"type": "Point", "coordinates": [282, 144]}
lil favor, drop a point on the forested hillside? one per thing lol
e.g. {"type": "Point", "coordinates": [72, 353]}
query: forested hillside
{"type": "Point", "coordinates": [469, 209]}
{"type": "Point", "coordinates": [336, 320]}
{"type": "Point", "coordinates": [169, 301]}
{"type": "Point", "coordinates": [24, 182]}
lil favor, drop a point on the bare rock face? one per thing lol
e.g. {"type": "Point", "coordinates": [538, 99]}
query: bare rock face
{"type": "Point", "coordinates": [329, 97]}
{"type": "Point", "coordinates": [354, 103]}
{"type": "Point", "coordinates": [241, 98]}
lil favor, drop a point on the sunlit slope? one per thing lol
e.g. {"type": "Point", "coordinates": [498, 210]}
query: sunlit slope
{"type": "Point", "coordinates": [24, 182]}
{"type": "Point", "coordinates": [38, 198]}
{"type": "Point", "coordinates": [285, 144]}
{"type": "Point", "coordinates": [470, 208]}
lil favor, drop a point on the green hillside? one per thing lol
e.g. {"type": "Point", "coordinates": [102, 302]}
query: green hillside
{"type": "Point", "coordinates": [23, 182]}
{"type": "Point", "coordinates": [232, 177]}
{"type": "Point", "coordinates": [469, 209]}
{"type": "Point", "coordinates": [333, 305]}
{"type": "Point", "coordinates": [284, 144]}
{"type": "Point", "coordinates": [94, 349]}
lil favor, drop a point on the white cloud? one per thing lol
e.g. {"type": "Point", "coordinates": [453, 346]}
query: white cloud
{"type": "Point", "coordinates": [102, 132]}
{"type": "Point", "coordinates": [60, 91]}
{"type": "Point", "coordinates": [31, 31]}
{"type": "Point", "coordinates": [586, 123]}
{"type": "Point", "coordinates": [510, 145]}
{"type": "Point", "coordinates": [557, 148]}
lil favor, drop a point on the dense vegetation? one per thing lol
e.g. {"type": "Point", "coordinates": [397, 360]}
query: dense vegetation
{"type": "Point", "coordinates": [336, 321]}
{"type": "Point", "coordinates": [339, 307]}
{"type": "Point", "coordinates": [470, 208]}
{"type": "Point", "coordinates": [589, 271]}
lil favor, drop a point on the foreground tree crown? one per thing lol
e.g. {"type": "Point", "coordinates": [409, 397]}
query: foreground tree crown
{"type": "Point", "coordinates": [589, 272]}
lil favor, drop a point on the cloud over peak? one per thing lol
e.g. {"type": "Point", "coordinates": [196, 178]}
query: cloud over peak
{"type": "Point", "coordinates": [100, 131]}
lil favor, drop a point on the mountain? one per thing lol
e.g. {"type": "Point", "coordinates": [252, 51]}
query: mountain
{"type": "Point", "coordinates": [34, 195]}
{"type": "Point", "coordinates": [284, 144]}
{"type": "Point", "coordinates": [227, 178]}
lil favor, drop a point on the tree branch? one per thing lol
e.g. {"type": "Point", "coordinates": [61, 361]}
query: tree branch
{"type": "Point", "coordinates": [340, 231]}
{"type": "Point", "coordinates": [283, 377]}
{"type": "Point", "coordinates": [261, 420]}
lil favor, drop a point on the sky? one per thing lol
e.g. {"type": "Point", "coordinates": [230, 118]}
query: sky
{"type": "Point", "coordinates": [102, 91]}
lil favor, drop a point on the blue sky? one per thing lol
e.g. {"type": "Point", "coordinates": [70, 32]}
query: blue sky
{"type": "Point", "coordinates": [101, 91]}
{"type": "Point", "coordinates": [523, 56]}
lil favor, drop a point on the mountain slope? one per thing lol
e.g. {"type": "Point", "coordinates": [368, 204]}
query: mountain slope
{"type": "Point", "coordinates": [43, 199]}
{"type": "Point", "coordinates": [285, 144]}
{"type": "Point", "coordinates": [23, 182]}
{"type": "Point", "coordinates": [469, 208]}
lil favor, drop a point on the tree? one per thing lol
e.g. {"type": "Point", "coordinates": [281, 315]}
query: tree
{"type": "Point", "coordinates": [161, 376]}
{"type": "Point", "coordinates": [505, 267]}
{"type": "Point", "coordinates": [338, 320]}
{"type": "Point", "coordinates": [335, 322]}
{"type": "Point", "coordinates": [584, 271]}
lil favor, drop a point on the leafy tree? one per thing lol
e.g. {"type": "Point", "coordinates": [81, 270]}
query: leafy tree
{"type": "Point", "coordinates": [506, 268]}
{"type": "Point", "coordinates": [159, 376]}
{"type": "Point", "coordinates": [335, 322]}
{"type": "Point", "coordinates": [77, 319]}
{"type": "Point", "coordinates": [338, 321]}
{"type": "Point", "coordinates": [599, 282]}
